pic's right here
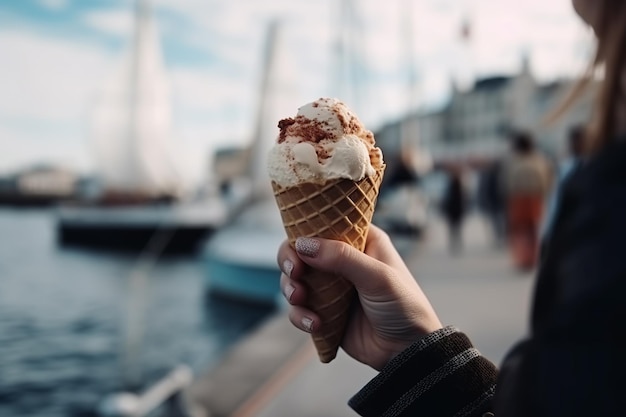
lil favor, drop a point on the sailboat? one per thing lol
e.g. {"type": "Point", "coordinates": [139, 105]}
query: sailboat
{"type": "Point", "coordinates": [141, 196]}
{"type": "Point", "coordinates": [241, 257]}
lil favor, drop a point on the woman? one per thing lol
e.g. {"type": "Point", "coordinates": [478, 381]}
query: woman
{"type": "Point", "coordinates": [453, 208]}
{"type": "Point", "coordinates": [573, 363]}
{"type": "Point", "coordinates": [575, 154]}
{"type": "Point", "coordinates": [526, 179]}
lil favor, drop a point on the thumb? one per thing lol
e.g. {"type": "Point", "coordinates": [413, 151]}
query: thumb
{"type": "Point", "coordinates": [367, 274]}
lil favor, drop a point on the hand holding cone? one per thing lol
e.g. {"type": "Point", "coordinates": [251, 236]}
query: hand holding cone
{"type": "Point", "coordinates": [340, 210]}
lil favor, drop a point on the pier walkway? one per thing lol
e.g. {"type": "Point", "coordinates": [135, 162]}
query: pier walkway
{"type": "Point", "coordinates": [275, 371]}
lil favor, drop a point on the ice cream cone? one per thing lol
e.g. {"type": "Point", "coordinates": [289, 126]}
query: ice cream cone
{"type": "Point", "coordinates": [340, 210]}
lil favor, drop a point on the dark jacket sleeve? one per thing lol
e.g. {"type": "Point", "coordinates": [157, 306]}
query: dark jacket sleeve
{"type": "Point", "coordinates": [574, 362]}
{"type": "Point", "coordinates": [440, 375]}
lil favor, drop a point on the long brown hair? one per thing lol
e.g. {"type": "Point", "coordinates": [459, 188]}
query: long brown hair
{"type": "Point", "coordinates": [610, 58]}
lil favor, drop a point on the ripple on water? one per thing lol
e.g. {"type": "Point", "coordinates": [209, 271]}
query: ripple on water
{"type": "Point", "coordinates": [63, 321]}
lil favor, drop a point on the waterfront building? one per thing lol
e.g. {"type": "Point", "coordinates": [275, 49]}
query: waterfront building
{"type": "Point", "coordinates": [475, 123]}
{"type": "Point", "coordinates": [38, 185]}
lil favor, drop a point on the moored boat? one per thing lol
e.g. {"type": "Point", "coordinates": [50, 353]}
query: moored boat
{"type": "Point", "coordinates": [142, 201]}
{"type": "Point", "coordinates": [240, 259]}
{"type": "Point", "coordinates": [170, 228]}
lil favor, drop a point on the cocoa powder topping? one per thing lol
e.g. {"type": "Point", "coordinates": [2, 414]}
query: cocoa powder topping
{"type": "Point", "coordinates": [307, 129]}
{"type": "Point", "coordinates": [283, 125]}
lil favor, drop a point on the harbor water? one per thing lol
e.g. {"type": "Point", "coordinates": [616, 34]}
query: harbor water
{"type": "Point", "coordinates": [64, 320]}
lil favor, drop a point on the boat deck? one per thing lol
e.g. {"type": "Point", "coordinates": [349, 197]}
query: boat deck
{"type": "Point", "coordinates": [181, 226]}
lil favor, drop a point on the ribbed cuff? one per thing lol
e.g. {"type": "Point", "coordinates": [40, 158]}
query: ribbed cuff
{"type": "Point", "coordinates": [439, 375]}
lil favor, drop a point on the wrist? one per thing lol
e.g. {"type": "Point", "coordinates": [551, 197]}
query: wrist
{"type": "Point", "coordinates": [398, 346]}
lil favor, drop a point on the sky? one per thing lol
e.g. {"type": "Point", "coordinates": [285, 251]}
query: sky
{"type": "Point", "coordinates": [395, 54]}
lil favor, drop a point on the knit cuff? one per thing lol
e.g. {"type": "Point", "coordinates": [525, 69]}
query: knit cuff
{"type": "Point", "coordinates": [441, 374]}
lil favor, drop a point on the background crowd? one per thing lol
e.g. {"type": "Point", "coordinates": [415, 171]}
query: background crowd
{"type": "Point", "coordinates": [516, 193]}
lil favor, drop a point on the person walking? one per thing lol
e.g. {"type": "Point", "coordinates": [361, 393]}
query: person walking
{"type": "Point", "coordinates": [491, 200]}
{"type": "Point", "coordinates": [575, 145]}
{"type": "Point", "coordinates": [526, 179]}
{"type": "Point", "coordinates": [572, 362]}
{"type": "Point", "coordinates": [454, 206]}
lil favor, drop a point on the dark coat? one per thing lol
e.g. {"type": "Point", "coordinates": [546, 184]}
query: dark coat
{"type": "Point", "coordinates": [454, 200]}
{"type": "Point", "coordinates": [574, 363]}
{"type": "Point", "coordinates": [490, 193]}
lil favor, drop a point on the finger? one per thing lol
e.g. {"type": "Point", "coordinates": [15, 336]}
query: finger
{"type": "Point", "coordinates": [289, 262]}
{"type": "Point", "coordinates": [379, 246]}
{"type": "Point", "coordinates": [366, 273]}
{"type": "Point", "coordinates": [304, 319]}
{"type": "Point", "coordinates": [294, 292]}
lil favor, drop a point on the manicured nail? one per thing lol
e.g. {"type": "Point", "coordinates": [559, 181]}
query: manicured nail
{"type": "Point", "coordinates": [307, 323]}
{"type": "Point", "coordinates": [287, 267]}
{"type": "Point", "coordinates": [288, 291]}
{"type": "Point", "coordinates": [307, 246]}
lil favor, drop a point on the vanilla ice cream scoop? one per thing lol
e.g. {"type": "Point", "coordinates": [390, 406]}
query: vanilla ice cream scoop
{"type": "Point", "coordinates": [326, 174]}
{"type": "Point", "coordinates": [325, 141]}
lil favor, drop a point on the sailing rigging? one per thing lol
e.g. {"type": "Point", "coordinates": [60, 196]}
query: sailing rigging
{"type": "Point", "coordinates": [131, 122]}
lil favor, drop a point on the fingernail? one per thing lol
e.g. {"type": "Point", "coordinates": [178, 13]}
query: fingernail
{"type": "Point", "coordinates": [307, 246]}
{"type": "Point", "coordinates": [288, 291]}
{"type": "Point", "coordinates": [287, 267]}
{"type": "Point", "coordinates": [307, 323]}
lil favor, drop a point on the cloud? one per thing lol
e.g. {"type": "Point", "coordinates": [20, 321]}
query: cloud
{"type": "Point", "coordinates": [219, 105]}
{"type": "Point", "coordinates": [28, 146]}
{"type": "Point", "coordinates": [114, 22]}
{"type": "Point", "coordinates": [47, 79]}
{"type": "Point", "coordinates": [47, 86]}
{"type": "Point", "coordinates": [214, 51]}
{"type": "Point", "coordinates": [53, 4]}
{"type": "Point", "coordinates": [503, 31]}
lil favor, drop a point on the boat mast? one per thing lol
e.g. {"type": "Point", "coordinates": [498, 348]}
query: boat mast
{"type": "Point", "coordinates": [347, 81]}
{"type": "Point", "coordinates": [256, 166]}
{"type": "Point", "coordinates": [132, 154]}
{"type": "Point", "coordinates": [413, 153]}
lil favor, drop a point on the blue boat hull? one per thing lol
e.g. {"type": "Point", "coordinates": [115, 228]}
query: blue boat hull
{"type": "Point", "coordinates": [253, 283]}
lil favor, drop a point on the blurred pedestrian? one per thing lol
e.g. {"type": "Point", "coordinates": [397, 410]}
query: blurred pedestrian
{"type": "Point", "coordinates": [575, 148]}
{"type": "Point", "coordinates": [491, 199]}
{"type": "Point", "coordinates": [572, 361]}
{"type": "Point", "coordinates": [526, 179]}
{"type": "Point", "coordinates": [454, 206]}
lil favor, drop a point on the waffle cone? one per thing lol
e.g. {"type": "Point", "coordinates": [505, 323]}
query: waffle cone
{"type": "Point", "coordinates": [340, 210]}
